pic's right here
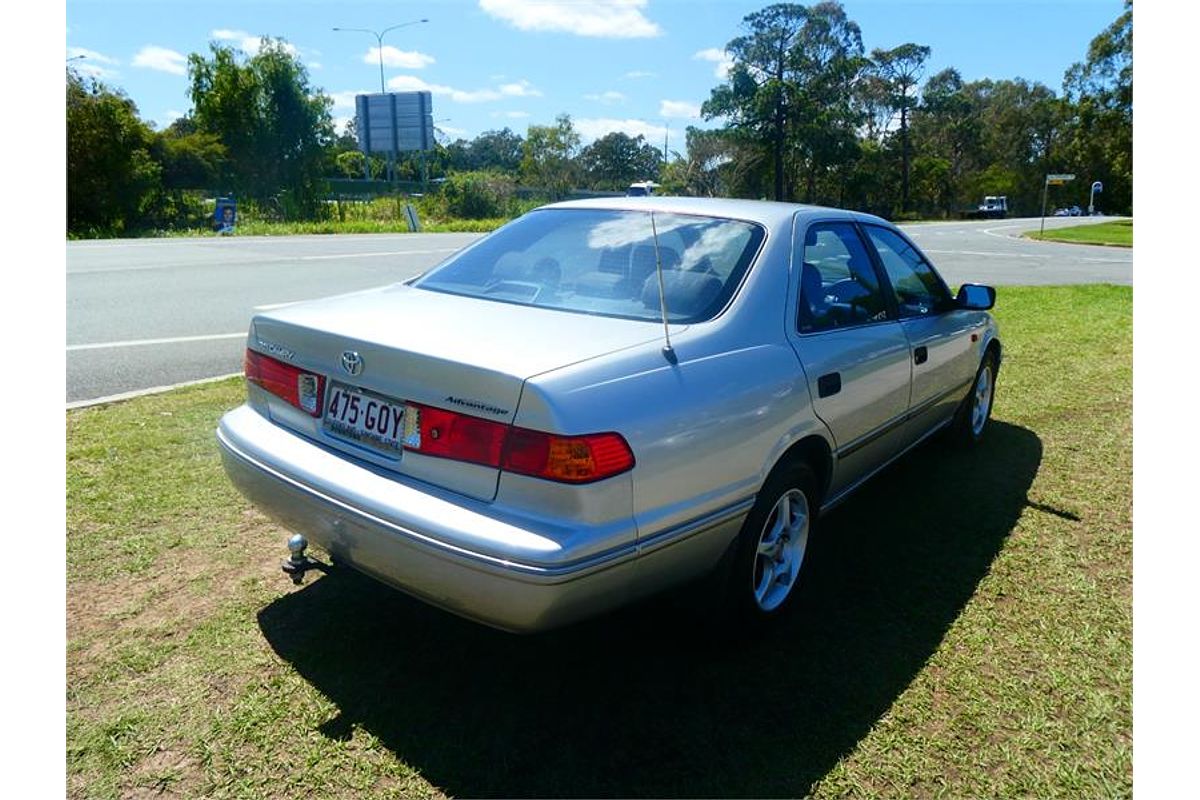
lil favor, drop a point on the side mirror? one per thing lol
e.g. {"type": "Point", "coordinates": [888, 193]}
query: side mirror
{"type": "Point", "coordinates": [974, 297]}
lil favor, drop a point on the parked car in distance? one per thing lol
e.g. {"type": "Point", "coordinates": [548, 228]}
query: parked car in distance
{"type": "Point", "coordinates": [641, 189]}
{"type": "Point", "coordinates": [606, 398]}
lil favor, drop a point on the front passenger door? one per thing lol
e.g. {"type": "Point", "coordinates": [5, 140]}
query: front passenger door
{"type": "Point", "coordinates": [944, 360]}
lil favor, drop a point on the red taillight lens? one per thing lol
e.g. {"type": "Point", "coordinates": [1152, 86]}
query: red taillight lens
{"type": "Point", "coordinates": [304, 390]}
{"type": "Point", "coordinates": [567, 459]}
{"type": "Point", "coordinates": [448, 434]}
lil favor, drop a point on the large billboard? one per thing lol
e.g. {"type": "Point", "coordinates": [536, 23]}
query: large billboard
{"type": "Point", "coordinates": [394, 122]}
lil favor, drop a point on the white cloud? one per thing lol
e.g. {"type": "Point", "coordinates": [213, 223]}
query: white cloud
{"type": "Point", "coordinates": [93, 63]}
{"type": "Point", "coordinates": [340, 123]}
{"type": "Point", "coordinates": [315, 65]}
{"type": "Point", "coordinates": [161, 59]}
{"type": "Point", "coordinates": [678, 109]}
{"type": "Point", "coordinates": [511, 114]}
{"type": "Point", "coordinates": [616, 19]}
{"type": "Point", "coordinates": [171, 115]}
{"type": "Point", "coordinates": [592, 129]}
{"type": "Point", "coordinates": [640, 73]}
{"type": "Point", "coordinates": [392, 57]}
{"type": "Point", "coordinates": [521, 88]}
{"type": "Point", "coordinates": [411, 83]}
{"type": "Point", "coordinates": [719, 57]}
{"type": "Point", "coordinates": [608, 98]}
{"type": "Point", "coordinates": [245, 42]}
{"type": "Point", "coordinates": [345, 99]}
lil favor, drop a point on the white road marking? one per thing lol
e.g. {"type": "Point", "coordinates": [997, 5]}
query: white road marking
{"type": "Point", "coordinates": [985, 253]}
{"type": "Point", "coordinates": [382, 253]}
{"type": "Point", "coordinates": [112, 398]}
{"type": "Point", "coordinates": [144, 342]}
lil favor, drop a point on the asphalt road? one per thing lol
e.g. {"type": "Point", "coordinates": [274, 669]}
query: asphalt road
{"type": "Point", "coordinates": [143, 314]}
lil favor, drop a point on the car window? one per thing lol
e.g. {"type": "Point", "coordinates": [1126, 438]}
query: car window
{"type": "Point", "coordinates": [605, 262]}
{"type": "Point", "coordinates": [838, 283]}
{"type": "Point", "coordinates": [917, 288]}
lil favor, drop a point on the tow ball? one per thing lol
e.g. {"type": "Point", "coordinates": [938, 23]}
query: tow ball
{"type": "Point", "coordinates": [298, 563]}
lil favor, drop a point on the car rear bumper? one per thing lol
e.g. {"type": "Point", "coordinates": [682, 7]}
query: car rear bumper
{"type": "Point", "coordinates": [415, 539]}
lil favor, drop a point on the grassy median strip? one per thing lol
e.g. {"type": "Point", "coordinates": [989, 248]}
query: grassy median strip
{"type": "Point", "coordinates": [1117, 233]}
{"type": "Point", "coordinates": [965, 631]}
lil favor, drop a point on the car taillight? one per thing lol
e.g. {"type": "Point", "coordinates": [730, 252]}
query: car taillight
{"type": "Point", "coordinates": [304, 390]}
{"type": "Point", "coordinates": [570, 459]}
{"type": "Point", "coordinates": [447, 434]}
{"type": "Point", "coordinates": [566, 459]}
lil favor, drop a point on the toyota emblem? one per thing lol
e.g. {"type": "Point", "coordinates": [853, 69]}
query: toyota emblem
{"type": "Point", "coordinates": [352, 362]}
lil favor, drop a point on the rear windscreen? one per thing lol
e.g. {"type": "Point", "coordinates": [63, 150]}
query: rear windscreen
{"type": "Point", "coordinates": [605, 262]}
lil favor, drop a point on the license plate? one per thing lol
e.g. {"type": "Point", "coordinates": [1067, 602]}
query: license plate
{"type": "Point", "coordinates": [366, 418]}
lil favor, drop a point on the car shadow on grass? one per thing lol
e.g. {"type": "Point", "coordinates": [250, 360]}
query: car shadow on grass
{"type": "Point", "coordinates": [654, 700]}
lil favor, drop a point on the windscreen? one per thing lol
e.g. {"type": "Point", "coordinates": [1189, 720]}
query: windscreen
{"type": "Point", "coordinates": [605, 262]}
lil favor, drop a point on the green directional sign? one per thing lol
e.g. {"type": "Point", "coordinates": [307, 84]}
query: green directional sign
{"type": "Point", "coordinates": [1063, 178]}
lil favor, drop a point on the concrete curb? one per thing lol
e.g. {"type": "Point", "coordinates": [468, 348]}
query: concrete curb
{"type": "Point", "coordinates": [116, 398]}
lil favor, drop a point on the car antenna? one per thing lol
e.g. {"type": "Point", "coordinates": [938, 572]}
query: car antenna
{"type": "Point", "coordinates": [667, 351]}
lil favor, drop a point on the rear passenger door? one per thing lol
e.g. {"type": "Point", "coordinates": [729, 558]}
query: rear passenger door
{"type": "Point", "coordinates": [855, 355]}
{"type": "Point", "coordinates": [944, 358]}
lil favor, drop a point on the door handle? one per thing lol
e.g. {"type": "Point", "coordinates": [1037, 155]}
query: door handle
{"type": "Point", "coordinates": [830, 384]}
{"type": "Point", "coordinates": [921, 354]}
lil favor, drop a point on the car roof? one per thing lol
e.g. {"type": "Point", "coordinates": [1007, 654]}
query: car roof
{"type": "Point", "coordinates": [765, 212]}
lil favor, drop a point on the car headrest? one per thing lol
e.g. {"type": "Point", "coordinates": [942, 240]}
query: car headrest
{"type": "Point", "coordinates": [687, 293]}
{"type": "Point", "coordinates": [812, 296]}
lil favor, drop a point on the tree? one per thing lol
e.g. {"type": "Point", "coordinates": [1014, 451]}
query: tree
{"type": "Point", "coordinates": [946, 126]}
{"type": "Point", "coordinates": [113, 180]}
{"type": "Point", "coordinates": [274, 125]}
{"type": "Point", "coordinates": [1099, 92]}
{"type": "Point", "coordinates": [351, 163]}
{"type": "Point", "coordinates": [757, 98]}
{"type": "Point", "coordinates": [548, 156]}
{"type": "Point", "coordinates": [791, 90]}
{"type": "Point", "coordinates": [616, 160]}
{"type": "Point", "coordinates": [497, 150]}
{"type": "Point", "coordinates": [901, 68]}
{"type": "Point", "coordinates": [830, 63]}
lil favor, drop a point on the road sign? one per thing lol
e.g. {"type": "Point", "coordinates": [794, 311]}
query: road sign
{"type": "Point", "coordinates": [1097, 186]}
{"type": "Point", "coordinates": [394, 122]}
{"type": "Point", "coordinates": [1060, 178]}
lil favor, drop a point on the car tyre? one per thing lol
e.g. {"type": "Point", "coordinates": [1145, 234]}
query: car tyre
{"type": "Point", "coordinates": [975, 411]}
{"type": "Point", "coordinates": [769, 558]}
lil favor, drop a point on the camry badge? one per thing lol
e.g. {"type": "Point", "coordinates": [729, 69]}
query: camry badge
{"type": "Point", "coordinates": [352, 362]}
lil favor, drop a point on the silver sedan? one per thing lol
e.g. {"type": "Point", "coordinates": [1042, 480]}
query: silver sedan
{"type": "Point", "coordinates": [607, 398]}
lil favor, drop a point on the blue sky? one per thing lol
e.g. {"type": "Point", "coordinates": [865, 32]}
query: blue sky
{"type": "Point", "coordinates": [641, 66]}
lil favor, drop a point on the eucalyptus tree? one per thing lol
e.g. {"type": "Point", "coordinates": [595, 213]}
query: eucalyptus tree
{"type": "Point", "coordinates": [1099, 92]}
{"type": "Point", "coordinates": [759, 97]}
{"type": "Point", "coordinates": [829, 67]}
{"type": "Point", "coordinates": [548, 156]}
{"type": "Point", "coordinates": [901, 68]}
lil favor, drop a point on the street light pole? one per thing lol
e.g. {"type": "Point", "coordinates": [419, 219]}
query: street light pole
{"type": "Point", "coordinates": [382, 87]}
{"type": "Point", "coordinates": [379, 40]}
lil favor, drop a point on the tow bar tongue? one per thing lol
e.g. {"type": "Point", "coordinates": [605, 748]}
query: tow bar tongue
{"type": "Point", "coordinates": [297, 563]}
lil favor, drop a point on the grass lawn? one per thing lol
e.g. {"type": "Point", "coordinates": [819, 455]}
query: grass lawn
{"type": "Point", "coordinates": [1118, 233]}
{"type": "Point", "coordinates": [965, 632]}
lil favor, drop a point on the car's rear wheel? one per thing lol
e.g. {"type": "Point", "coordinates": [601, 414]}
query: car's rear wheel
{"type": "Point", "coordinates": [971, 420]}
{"type": "Point", "coordinates": [773, 543]}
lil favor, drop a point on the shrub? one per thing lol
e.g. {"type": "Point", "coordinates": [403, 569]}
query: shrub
{"type": "Point", "coordinates": [477, 195]}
